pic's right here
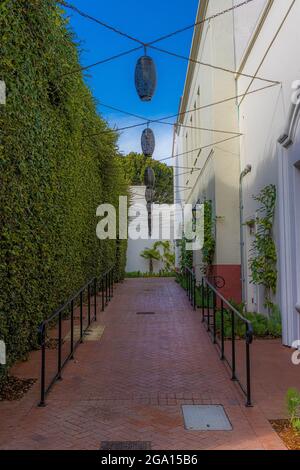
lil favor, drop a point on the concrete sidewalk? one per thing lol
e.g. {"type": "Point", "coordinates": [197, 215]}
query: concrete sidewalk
{"type": "Point", "coordinates": [130, 384]}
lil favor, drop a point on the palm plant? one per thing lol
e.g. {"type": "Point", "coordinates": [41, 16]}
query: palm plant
{"type": "Point", "coordinates": [151, 254]}
{"type": "Point", "coordinates": [168, 256]}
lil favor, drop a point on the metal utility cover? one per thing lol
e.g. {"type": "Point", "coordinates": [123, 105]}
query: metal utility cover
{"type": "Point", "coordinates": [145, 313]}
{"type": "Point", "coordinates": [135, 445]}
{"type": "Point", "coordinates": [205, 418]}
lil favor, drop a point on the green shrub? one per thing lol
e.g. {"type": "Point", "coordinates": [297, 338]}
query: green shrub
{"type": "Point", "coordinates": [293, 407]}
{"type": "Point", "coordinates": [55, 171]}
{"type": "Point", "coordinates": [262, 325]}
{"type": "Point", "coordinates": [138, 274]}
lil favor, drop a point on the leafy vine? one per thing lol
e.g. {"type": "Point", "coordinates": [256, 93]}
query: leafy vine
{"type": "Point", "coordinates": [209, 245]}
{"type": "Point", "coordinates": [263, 262]}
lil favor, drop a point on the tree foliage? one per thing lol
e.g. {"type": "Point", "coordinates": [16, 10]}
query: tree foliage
{"type": "Point", "coordinates": [135, 164]}
{"type": "Point", "coordinates": [53, 174]}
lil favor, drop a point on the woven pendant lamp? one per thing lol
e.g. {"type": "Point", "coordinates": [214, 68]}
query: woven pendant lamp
{"type": "Point", "coordinates": [145, 78]}
{"type": "Point", "coordinates": [148, 142]}
{"type": "Point", "coordinates": [149, 177]}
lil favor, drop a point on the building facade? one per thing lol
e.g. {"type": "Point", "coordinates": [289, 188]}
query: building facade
{"type": "Point", "coordinates": [242, 135]}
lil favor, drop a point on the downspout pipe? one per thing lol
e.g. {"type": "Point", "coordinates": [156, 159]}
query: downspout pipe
{"type": "Point", "coordinates": [244, 173]}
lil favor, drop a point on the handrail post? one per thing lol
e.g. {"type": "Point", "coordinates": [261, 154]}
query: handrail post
{"type": "Point", "coordinates": [112, 282]}
{"type": "Point", "coordinates": [194, 292]}
{"type": "Point", "coordinates": [43, 367]}
{"type": "Point", "coordinates": [233, 346]}
{"type": "Point", "coordinates": [95, 299]}
{"type": "Point", "coordinates": [59, 347]}
{"type": "Point", "coordinates": [81, 318]}
{"type": "Point", "coordinates": [106, 291]}
{"type": "Point", "coordinates": [222, 332]}
{"type": "Point", "coordinates": [109, 292]}
{"type": "Point", "coordinates": [107, 297]}
{"type": "Point", "coordinates": [89, 305]}
{"type": "Point", "coordinates": [248, 369]}
{"type": "Point", "coordinates": [72, 330]}
{"type": "Point", "coordinates": [102, 292]}
{"type": "Point", "coordinates": [186, 282]}
{"type": "Point", "coordinates": [203, 300]}
{"type": "Point", "coordinates": [214, 317]}
{"type": "Point", "coordinates": [208, 307]}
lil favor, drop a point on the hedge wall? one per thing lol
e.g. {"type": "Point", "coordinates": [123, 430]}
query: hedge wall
{"type": "Point", "coordinates": [54, 172]}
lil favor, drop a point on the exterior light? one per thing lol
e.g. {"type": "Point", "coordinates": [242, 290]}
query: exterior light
{"type": "Point", "coordinates": [149, 194]}
{"type": "Point", "coordinates": [149, 178]}
{"type": "Point", "coordinates": [148, 142]}
{"type": "Point", "coordinates": [145, 78]}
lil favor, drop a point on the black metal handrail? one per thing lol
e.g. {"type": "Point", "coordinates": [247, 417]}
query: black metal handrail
{"type": "Point", "coordinates": [105, 285]}
{"type": "Point", "coordinates": [189, 278]}
{"type": "Point", "coordinates": [209, 314]}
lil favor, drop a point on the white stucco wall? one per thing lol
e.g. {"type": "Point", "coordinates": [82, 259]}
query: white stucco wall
{"type": "Point", "coordinates": [216, 166]}
{"type": "Point", "coordinates": [134, 261]}
{"type": "Point", "coordinates": [262, 120]}
{"type": "Point", "coordinates": [265, 39]}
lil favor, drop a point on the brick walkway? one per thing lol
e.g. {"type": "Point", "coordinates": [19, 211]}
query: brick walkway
{"type": "Point", "coordinates": [130, 385]}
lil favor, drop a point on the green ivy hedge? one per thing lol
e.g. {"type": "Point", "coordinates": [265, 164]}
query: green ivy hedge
{"type": "Point", "coordinates": [55, 170]}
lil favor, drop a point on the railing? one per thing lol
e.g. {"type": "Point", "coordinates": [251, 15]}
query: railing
{"type": "Point", "coordinates": [188, 280]}
{"type": "Point", "coordinates": [213, 304]}
{"type": "Point", "coordinates": [67, 328]}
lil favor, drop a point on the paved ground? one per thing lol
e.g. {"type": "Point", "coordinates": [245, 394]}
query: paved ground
{"type": "Point", "coordinates": [130, 384]}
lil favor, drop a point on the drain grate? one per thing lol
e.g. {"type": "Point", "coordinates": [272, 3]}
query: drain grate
{"type": "Point", "coordinates": [145, 313]}
{"type": "Point", "coordinates": [205, 418]}
{"type": "Point", "coordinates": [134, 445]}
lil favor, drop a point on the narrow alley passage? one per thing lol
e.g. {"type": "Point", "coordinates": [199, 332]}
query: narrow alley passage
{"type": "Point", "coordinates": [130, 384]}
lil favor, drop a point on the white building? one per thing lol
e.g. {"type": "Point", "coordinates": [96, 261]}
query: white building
{"type": "Point", "coordinates": [261, 42]}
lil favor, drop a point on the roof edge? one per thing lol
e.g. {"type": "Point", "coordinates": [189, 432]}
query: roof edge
{"type": "Point", "coordinates": [198, 30]}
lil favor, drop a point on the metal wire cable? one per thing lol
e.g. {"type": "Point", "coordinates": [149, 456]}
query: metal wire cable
{"type": "Point", "coordinates": [216, 67]}
{"type": "Point", "coordinates": [200, 148]}
{"type": "Point", "coordinates": [100, 22]}
{"type": "Point", "coordinates": [100, 62]}
{"type": "Point", "coordinates": [153, 121]}
{"type": "Point", "coordinates": [182, 113]}
{"type": "Point", "coordinates": [161, 38]}
{"type": "Point", "coordinates": [149, 121]}
{"type": "Point", "coordinates": [151, 44]}
{"type": "Point", "coordinates": [198, 23]}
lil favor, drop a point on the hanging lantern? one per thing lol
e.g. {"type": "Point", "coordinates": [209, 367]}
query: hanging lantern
{"type": "Point", "coordinates": [149, 194]}
{"type": "Point", "coordinates": [149, 177]}
{"type": "Point", "coordinates": [145, 78]}
{"type": "Point", "coordinates": [148, 142]}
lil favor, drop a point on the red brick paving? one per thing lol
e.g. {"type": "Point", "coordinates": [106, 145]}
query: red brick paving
{"type": "Point", "coordinates": [130, 385]}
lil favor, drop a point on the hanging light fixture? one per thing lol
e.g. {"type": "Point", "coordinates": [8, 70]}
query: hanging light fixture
{"type": "Point", "coordinates": [145, 77]}
{"type": "Point", "coordinates": [148, 142]}
{"type": "Point", "coordinates": [149, 177]}
{"type": "Point", "coordinates": [149, 195]}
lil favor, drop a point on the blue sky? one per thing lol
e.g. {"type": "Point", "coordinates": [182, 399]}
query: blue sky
{"type": "Point", "coordinates": [113, 83]}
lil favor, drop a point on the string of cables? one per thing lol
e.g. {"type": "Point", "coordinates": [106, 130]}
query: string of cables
{"type": "Point", "coordinates": [158, 121]}
{"type": "Point", "coordinates": [150, 44]}
{"type": "Point", "coordinates": [142, 44]}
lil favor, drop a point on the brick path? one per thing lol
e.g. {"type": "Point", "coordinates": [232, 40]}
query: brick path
{"type": "Point", "coordinates": [130, 385]}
